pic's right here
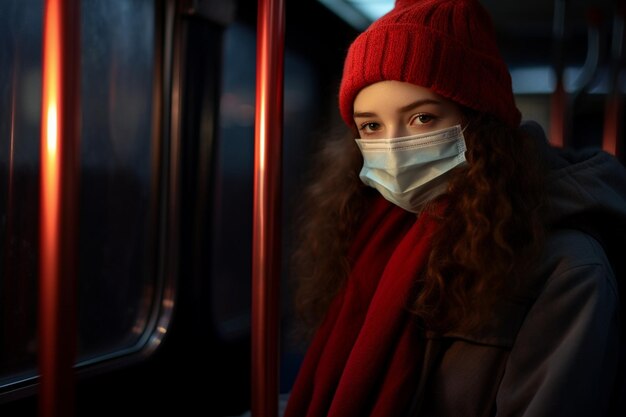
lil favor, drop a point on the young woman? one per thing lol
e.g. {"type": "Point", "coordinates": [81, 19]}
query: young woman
{"type": "Point", "coordinates": [451, 262]}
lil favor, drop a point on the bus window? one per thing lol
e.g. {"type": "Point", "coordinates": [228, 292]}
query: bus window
{"type": "Point", "coordinates": [20, 89]}
{"type": "Point", "coordinates": [118, 284]}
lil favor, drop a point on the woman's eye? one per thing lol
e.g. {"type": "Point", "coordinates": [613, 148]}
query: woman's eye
{"type": "Point", "coordinates": [423, 118]}
{"type": "Point", "coordinates": [369, 127]}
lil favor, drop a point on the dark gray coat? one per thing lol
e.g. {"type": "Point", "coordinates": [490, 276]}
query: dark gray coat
{"type": "Point", "coordinates": [552, 349]}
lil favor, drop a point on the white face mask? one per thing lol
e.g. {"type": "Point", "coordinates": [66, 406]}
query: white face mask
{"type": "Point", "coordinates": [410, 171]}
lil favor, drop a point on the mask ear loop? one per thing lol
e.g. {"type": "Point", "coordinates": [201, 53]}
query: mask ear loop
{"type": "Point", "coordinates": [463, 135]}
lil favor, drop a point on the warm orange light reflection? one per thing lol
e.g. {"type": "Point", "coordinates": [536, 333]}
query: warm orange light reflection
{"type": "Point", "coordinates": [49, 146]}
{"type": "Point", "coordinates": [52, 129]}
{"type": "Point", "coordinates": [612, 124]}
{"type": "Point", "coordinates": [558, 116]}
{"type": "Point", "coordinates": [50, 205]}
{"type": "Point", "coordinates": [55, 367]}
{"type": "Point", "coordinates": [49, 142]}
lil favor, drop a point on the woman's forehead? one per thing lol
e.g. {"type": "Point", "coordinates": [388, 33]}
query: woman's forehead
{"type": "Point", "coordinates": [394, 95]}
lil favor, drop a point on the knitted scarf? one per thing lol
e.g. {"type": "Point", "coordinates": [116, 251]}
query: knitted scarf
{"type": "Point", "coordinates": [366, 357]}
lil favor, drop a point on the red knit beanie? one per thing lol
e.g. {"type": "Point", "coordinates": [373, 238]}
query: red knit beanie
{"type": "Point", "coordinates": [448, 46]}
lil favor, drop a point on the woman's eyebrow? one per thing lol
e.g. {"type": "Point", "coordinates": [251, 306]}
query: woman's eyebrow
{"type": "Point", "coordinates": [364, 114]}
{"type": "Point", "coordinates": [419, 103]}
{"type": "Point", "coordinates": [402, 109]}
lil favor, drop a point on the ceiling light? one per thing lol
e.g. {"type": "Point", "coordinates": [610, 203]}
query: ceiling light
{"type": "Point", "coordinates": [359, 13]}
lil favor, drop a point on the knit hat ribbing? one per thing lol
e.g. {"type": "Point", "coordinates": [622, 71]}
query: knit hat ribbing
{"type": "Point", "coordinates": [447, 46]}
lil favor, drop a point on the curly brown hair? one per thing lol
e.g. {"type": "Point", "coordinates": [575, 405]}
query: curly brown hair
{"type": "Point", "coordinates": [490, 225]}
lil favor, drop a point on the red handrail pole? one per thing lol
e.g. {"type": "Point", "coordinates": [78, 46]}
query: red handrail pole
{"type": "Point", "coordinates": [558, 102]}
{"type": "Point", "coordinates": [266, 208]}
{"type": "Point", "coordinates": [613, 123]}
{"type": "Point", "coordinates": [558, 108]}
{"type": "Point", "coordinates": [60, 124]}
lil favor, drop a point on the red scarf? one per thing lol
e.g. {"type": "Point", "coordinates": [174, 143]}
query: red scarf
{"type": "Point", "coordinates": [366, 357]}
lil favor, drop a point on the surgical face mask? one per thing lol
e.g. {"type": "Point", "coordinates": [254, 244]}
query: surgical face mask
{"type": "Point", "coordinates": [412, 170]}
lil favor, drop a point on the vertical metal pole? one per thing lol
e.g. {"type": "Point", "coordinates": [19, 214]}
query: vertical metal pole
{"type": "Point", "coordinates": [58, 213]}
{"type": "Point", "coordinates": [558, 116]}
{"type": "Point", "coordinates": [613, 124]}
{"type": "Point", "coordinates": [267, 202]}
